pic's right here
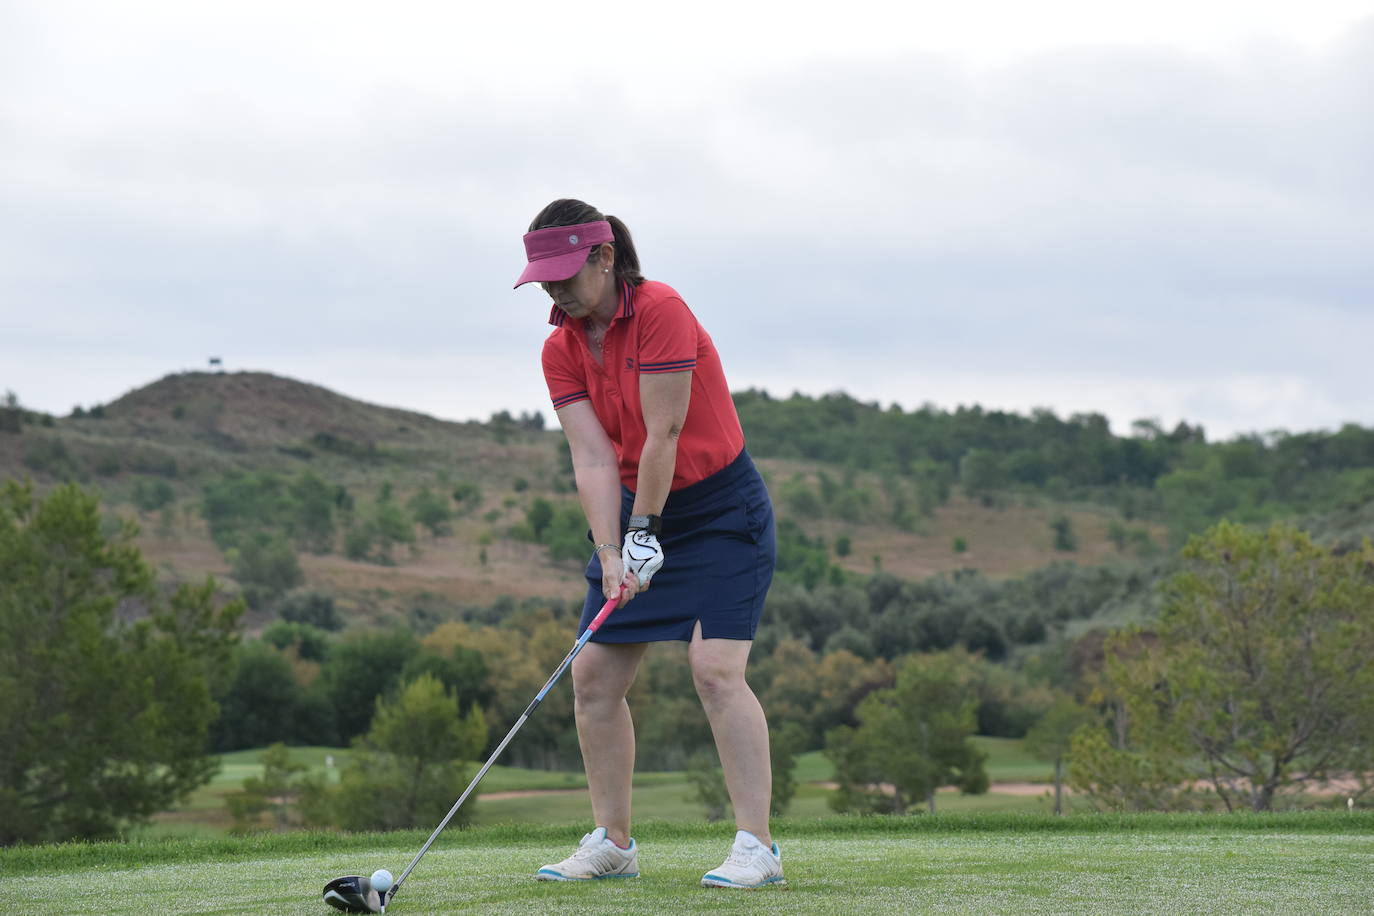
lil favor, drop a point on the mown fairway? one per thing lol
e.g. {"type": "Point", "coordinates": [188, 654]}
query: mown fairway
{"type": "Point", "coordinates": [1305, 863]}
{"type": "Point", "coordinates": [510, 795]}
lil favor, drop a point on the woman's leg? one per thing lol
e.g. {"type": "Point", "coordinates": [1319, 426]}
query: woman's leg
{"type": "Point", "coordinates": [602, 675]}
{"type": "Point", "coordinates": [739, 727]}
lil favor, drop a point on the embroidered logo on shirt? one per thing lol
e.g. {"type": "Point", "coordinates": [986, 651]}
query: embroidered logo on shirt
{"type": "Point", "coordinates": [572, 240]}
{"type": "Point", "coordinates": [629, 362]}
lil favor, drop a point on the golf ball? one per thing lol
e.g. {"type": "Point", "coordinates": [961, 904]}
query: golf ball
{"type": "Point", "coordinates": [381, 881]}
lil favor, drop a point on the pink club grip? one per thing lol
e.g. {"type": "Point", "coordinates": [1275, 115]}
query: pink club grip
{"type": "Point", "coordinates": [605, 611]}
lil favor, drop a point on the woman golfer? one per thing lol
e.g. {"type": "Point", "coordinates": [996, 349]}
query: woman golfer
{"type": "Point", "coordinates": [673, 500]}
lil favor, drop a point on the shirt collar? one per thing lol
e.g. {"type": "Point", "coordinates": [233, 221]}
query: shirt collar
{"type": "Point", "coordinates": [557, 316]}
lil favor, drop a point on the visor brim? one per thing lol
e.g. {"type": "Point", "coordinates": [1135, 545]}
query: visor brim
{"type": "Point", "coordinates": [551, 270]}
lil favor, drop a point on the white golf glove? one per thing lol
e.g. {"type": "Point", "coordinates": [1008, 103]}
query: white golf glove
{"type": "Point", "coordinates": [641, 555]}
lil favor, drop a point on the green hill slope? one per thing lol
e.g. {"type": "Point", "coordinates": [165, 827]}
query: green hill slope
{"type": "Point", "coordinates": [185, 430]}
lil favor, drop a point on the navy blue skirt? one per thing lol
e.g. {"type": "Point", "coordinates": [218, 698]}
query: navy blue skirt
{"type": "Point", "coordinates": [719, 550]}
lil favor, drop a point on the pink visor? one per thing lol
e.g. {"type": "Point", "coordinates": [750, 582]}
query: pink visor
{"type": "Point", "coordinates": [559, 252]}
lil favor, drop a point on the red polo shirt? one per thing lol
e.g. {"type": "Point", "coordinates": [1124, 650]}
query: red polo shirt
{"type": "Point", "coordinates": [653, 332]}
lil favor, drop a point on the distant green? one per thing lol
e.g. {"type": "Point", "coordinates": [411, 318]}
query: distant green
{"type": "Point", "coordinates": [658, 796]}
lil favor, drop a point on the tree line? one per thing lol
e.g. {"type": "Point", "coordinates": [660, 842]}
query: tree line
{"type": "Point", "coordinates": [1247, 681]}
{"type": "Point", "coordinates": [1174, 475]}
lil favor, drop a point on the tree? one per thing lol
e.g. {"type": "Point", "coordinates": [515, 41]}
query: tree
{"type": "Point", "coordinates": [1258, 668]}
{"type": "Point", "coordinates": [1118, 534]}
{"type": "Point", "coordinates": [360, 668]}
{"type": "Point", "coordinates": [708, 785]}
{"type": "Point", "coordinates": [462, 671]}
{"type": "Point", "coordinates": [313, 512]}
{"type": "Point", "coordinates": [468, 495]}
{"type": "Point", "coordinates": [519, 655]}
{"type": "Point", "coordinates": [431, 511]}
{"type": "Point", "coordinates": [912, 739]}
{"type": "Point", "coordinates": [539, 515]}
{"type": "Point", "coordinates": [1064, 537]}
{"type": "Point", "coordinates": [277, 791]}
{"type": "Point", "coordinates": [266, 567]}
{"type": "Point", "coordinates": [151, 495]}
{"type": "Point", "coordinates": [390, 525]}
{"type": "Point", "coordinates": [260, 704]}
{"type": "Point", "coordinates": [11, 414]}
{"type": "Point", "coordinates": [409, 767]}
{"type": "Point", "coordinates": [797, 494]}
{"type": "Point", "coordinates": [980, 474]}
{"type": "Point", "coordinates": [783, 746]}
{"type": "Point", "coordinates": [105, 680]}
{"type": "Point", "coordinates": [1050, 738]}
{"type": "Point", "coordinates": [314, 608]}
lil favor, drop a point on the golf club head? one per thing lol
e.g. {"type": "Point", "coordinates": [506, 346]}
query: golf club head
{"type": "Point", "coordinates": [353, 894]}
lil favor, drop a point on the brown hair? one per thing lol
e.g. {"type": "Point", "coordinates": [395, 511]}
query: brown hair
{"type": "Point", "coordinates": [570, 212]}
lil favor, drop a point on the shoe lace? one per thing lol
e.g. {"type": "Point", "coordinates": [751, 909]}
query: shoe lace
{"type": "Point", "coordinates": [740, 856]}
{"type": "Point", "coordinates": [585, 850]}
{"type": "Point", "coordinates": [598, 854]}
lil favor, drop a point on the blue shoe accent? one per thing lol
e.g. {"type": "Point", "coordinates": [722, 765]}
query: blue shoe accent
{"type": "Point", "coordinates": [727, 881]}
{"type": "Point", "coordinates": [560, 877]}
{"type": "Point", "coordinates": [596, 857]}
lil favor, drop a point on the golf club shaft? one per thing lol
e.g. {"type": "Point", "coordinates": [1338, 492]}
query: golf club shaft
{"type": "Point", "coordinates": [563, 666]}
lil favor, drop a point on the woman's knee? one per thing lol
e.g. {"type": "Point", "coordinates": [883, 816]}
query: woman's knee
{"type": "Point", "coordinates": [599, 684]}
{"type": "Point", "coordinates": [716, 682]}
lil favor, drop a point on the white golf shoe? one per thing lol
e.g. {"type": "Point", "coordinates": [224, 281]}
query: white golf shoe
{"type": "Point", "coordinates": [750, 865]}
{"type": "Point", "coordinates": [596, 857]}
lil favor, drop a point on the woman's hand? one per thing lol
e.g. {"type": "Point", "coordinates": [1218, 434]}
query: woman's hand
{"type": "Point", "coordinates": [642, 556]}
{"type": "Point", "coordinates": [614, 575]}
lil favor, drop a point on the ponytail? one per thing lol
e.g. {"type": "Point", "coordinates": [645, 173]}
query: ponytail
{"type": "Point", "coordinates": [626, 258]}
{"type": "Point", "coordinates": [570, 212]}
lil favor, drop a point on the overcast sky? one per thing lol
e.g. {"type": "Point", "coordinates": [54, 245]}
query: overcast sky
{"type": "Point", "coordinates": [1164, 211]}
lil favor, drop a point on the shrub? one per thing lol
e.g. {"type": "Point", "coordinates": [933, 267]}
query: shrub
{"type": "Point", "coordinates": [151, 495]}
{"type": "Point", "coordinates": [1064, 537]}
{"type": "Point", "coordinates": [708, 785]}
{"type": "Point", "coordinates": [431, 511]}
{"type": "Point", "coordinates": [266, 567]}
{"type": "Point", "coordinates": [49, 455]}
{"type": "Point", "coordinates": [313, 608]}
{"type": "Point", "coordinates": [467, 495]}
{"type": "Point", "coordinates": [410, 764]}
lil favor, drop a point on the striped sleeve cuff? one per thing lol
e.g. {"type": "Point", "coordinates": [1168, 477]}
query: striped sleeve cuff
{"type": "Point", "coordinates": [677, 365]}
{"type": "Point", "coordinates": [565, 400]}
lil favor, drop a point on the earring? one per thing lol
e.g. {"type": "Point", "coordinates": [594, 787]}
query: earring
{"type": "Point", "coordinates": [605, 270]}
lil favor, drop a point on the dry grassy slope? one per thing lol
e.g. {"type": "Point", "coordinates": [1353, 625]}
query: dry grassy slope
{"type": "Point", "coordinates": [1002, 542]}
{"type": "Point", "coordinates": [1009, 539]}
{"type": "Point", "coordinates": [211, 421]}
{"type": "Point", "coordinates": [258, 410]}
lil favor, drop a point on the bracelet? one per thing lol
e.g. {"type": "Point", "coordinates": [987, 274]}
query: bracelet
{"type": "Point", "coordinates": [596, 551]}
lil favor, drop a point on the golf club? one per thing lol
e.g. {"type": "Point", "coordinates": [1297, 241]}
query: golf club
{"type": "Point", "coordinates": [354, 893]}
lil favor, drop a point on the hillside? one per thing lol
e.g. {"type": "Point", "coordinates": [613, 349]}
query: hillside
{"type": "Point", "coordinates": [185, 430]}
{"type": "Point", "coordinates": [246, 410]}
{"type": "Point", "coordinates": [370, 544]}
{"type": "Point", "coordinates": [207, 420]}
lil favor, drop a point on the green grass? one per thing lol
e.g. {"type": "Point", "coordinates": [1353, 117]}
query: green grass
{"type": "Point", "coordinates": [661, 796]}
{"type": "Point", "coordinates": [1008, 761]}
{"type": "Point", "coordinates": [671, 802]}
{"type": "Point", "coordinates": [1310, 863]}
